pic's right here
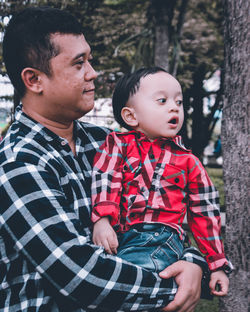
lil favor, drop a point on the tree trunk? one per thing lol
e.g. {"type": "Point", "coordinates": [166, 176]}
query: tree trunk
{"type": "Point", "coordinates": [198, 117]}
{"type": "Point", "coordinates": [235, 141]}
{"type": "Point", "coordinates": [176, 46]}
{"type": "Point", "coordinates": [161, 12]}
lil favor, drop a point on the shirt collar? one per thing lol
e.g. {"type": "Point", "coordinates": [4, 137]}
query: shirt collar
{"type": "Point", "coordinates": [32, 125]}
{"type": "Point", "coordinates": [39, 130]}
{"type": "Point", "coordinates": [177, 140]}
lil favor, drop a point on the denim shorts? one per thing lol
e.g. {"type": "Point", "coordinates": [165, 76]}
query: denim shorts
{"type": "Point", "coordinates": [151, 246]}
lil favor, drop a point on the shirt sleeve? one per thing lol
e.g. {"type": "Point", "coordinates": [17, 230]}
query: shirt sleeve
{"type": "Point", "coordinates": [45, 230]}
{"type": "Point", "coordinates": [107, 180]}
{"type": "Point", "coordinates": [204, 215]}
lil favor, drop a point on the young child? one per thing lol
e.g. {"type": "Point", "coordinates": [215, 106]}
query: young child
{"type": "Point", "coordinates": [145, 181]}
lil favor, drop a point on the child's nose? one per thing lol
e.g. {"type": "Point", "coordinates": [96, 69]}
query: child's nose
{"type": "Point", "coordinates": [173, 107]}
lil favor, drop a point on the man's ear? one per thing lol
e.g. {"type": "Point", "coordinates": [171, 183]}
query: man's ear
{"type": "Point", "coordinates": [32, 79]}
{"type": "Point", "coordinates": [129, 116]}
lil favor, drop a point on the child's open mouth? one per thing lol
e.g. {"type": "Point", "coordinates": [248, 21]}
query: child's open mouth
{"type": "Point", "coordinates": [173, 121]}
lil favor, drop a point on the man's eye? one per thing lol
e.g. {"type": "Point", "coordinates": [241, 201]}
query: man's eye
{"type": "Point", "coordinates": [179, 102]}
{"type": "Point", "coordinates": [79, 63]}
{"type": "Point", "coordinates": [162, 100]}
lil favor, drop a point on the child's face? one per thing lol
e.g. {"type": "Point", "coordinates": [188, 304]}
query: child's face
{"type": "Point", "coordinates": [157, 106]}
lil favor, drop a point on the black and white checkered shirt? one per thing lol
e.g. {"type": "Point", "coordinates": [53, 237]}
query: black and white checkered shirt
{"type": "Point", "coordinates": [47, 260]}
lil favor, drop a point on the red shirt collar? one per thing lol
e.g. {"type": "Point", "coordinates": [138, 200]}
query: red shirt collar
{"type": "Point", "coordinates": [177, 140]}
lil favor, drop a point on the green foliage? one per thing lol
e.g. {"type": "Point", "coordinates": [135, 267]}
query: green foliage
{"type": "Point", "coordinates": [216, 175]}
{"type": "Point", "coordinates": [202, 40]}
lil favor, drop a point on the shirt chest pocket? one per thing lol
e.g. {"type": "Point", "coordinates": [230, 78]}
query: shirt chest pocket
{"type": "Point", "coordinates": [173, 177]}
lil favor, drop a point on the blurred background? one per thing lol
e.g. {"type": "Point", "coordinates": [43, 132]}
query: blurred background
{"type": "Point", "coordinates": [183, 36]}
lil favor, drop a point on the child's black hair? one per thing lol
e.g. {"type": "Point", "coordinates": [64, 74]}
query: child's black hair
{"type": "Point", "coordinates": [127, 86]}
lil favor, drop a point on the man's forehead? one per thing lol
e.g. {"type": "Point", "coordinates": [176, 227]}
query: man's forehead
{"type": "Point", "coordinates": [70, 41]}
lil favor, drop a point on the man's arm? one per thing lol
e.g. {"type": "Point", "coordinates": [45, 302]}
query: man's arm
{"type": "Point", "coordinates": [50, 237]}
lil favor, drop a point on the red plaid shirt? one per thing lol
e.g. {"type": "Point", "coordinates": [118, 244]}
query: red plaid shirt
{"type": "Point", "coordinates": [135, 181]}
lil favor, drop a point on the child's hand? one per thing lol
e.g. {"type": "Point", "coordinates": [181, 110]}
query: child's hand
{"type": "Point", "coordinates": [104, 235]}
{"type": "Point", "coordinates": [219, 279]}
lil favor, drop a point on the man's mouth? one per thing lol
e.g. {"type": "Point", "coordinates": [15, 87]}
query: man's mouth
{"type": "Point", "coordinates": [89, 90]}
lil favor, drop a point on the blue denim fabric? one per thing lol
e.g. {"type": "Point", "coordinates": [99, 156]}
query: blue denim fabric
{"type": "Point", "coordinates": [151, 246]}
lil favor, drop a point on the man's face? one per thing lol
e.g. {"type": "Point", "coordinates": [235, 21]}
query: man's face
{"type": "Point", "coordinates": [158, 106]}
{"type": "Point", "coordinates": [69, 91]}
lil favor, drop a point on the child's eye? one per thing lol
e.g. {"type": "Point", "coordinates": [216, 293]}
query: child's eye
{"type": "Point", "coordinates": [179, 102]}
{"type": "Point", "coordinates": [162, 100]}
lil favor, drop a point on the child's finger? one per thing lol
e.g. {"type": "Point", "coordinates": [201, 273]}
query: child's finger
{"type": "Point", "coordinates": [106, 246]}
{"type": "Point", "coordinates": [114, 244]}
{"type": "Point", "coordinates": [221, 289]}
{"type": "Point", "coordinates": [114, 250]}
{"type": "Point", "coordinates": [219, 293]}
{"type": "Point", "coordinates": [212, 285]}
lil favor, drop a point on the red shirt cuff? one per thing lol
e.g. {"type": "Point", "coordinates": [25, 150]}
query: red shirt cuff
{"type": "Point", "coordinates": [105, 209]}
{"type": "Point", "coordinates": [218, 261]}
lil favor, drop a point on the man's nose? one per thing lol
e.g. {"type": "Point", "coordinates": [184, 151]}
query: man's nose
{"type": "Point", "coordinates": [90, 73]}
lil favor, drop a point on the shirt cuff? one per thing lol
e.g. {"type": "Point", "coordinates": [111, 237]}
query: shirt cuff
{"type": "Point", "coordinates": [192, 254]}
{"type": "Point", "coordinates": [219, 262]}
{"type": "Point", "coordinates": [105, 209]}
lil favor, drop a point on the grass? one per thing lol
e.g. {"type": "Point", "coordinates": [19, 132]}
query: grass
{"type": "Point", "coordinates": [216, 176]}
{"type": "Point", "coordinates": [208, 305]}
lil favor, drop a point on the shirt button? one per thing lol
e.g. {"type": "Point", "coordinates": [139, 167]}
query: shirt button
{"type": "Point", "coordinates": [176, 180]}
{"type": "Point", "coordinates": [156, 234]}
{"type": "Point", "coordinates": [63, 143]}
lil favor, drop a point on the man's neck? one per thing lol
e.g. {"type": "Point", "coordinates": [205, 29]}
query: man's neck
{"type": "Point", "coordinates": [62, 129]}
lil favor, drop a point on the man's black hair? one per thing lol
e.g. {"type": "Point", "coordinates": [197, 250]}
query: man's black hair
{"type": "Point", "coordinates": [27, 41]}
{"type": "Point", "coordinates": [127, 86]}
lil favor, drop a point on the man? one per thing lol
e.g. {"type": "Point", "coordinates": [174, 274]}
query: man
{"type": "Point", "coordinates": [48, 262]}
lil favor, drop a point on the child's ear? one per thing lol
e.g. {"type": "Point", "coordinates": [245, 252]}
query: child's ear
{"type": "Point", "coordinates": [32, 79]}
{"type": "Point", "coordinates": [129, 116]}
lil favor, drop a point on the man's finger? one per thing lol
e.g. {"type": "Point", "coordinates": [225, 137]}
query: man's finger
{"type": "Point", "coordinates": [178, 302]}
{"type": "Point", "coordinates": [183, 302]}
{"type": "Point", "coordinates": [171, 271]}
{"type": "Point", "coordinates": [188, 282]}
